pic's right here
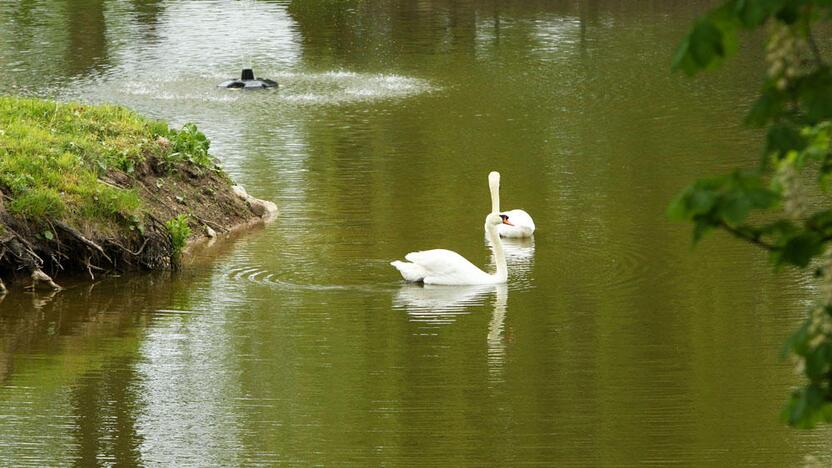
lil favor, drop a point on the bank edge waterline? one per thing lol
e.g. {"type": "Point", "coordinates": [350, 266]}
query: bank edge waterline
{"type": "Point", "coordinates": [95, 189]}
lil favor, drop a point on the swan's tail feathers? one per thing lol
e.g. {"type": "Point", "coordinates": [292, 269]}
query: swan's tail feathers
{"type": "Point", "coordinates": [411, 272]}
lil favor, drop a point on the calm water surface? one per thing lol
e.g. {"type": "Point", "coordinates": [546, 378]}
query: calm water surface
{"type": "Point", "coordinates": [612, 344]}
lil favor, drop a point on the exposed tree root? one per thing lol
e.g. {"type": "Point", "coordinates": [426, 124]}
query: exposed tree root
{"type": "Point", "coordinates": [77, 235]}
{"type": "Point", "coordinates": [41, 280]}
{"type": "Point", "coordinates": [26, 255]}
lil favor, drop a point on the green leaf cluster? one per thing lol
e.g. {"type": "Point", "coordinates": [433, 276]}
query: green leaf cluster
{"type": "Point", "coordinates": [179, 232]}
{"type": "Point", "coordinates": [765, 205]}
{"type": "Point", "coordinates": [812, 403]}
{"type": "Point", "coordinates": [189, 144]}
{"type": "Point", "coordinates": [722, 201]}
{"type": "Point", "coordinates": [713, 37]}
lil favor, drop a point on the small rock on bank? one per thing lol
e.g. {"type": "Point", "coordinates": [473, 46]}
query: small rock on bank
{"type": "Point", "coordinates": [262, 208]}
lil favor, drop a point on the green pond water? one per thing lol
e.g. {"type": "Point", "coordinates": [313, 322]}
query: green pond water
{"type": "Point", "coordinates": [613, 343]}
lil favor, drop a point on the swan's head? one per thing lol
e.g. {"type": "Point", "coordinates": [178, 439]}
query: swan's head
{"type": "Point", "coordinates": [494, 219]}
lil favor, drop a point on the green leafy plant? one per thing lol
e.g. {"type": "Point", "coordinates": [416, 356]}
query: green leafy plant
{"type": "Point", "coordinates": [189, 144]}
{"type": "Point", "coordinates": [795, 107]}
{"type": "Point", "coordinates": [136, 224]}
{"type": "Point", "coordinates": [179, 233]}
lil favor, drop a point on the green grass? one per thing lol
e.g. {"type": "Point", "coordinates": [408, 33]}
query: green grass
{"type": "Point", "coordinates": [52, 154]}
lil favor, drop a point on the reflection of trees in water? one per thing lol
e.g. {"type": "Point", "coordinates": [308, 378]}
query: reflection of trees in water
{"type": "Point", "coordinates": [106, 428]}
{"type": "Point", "coordinates": [71, 333]}
{"type": "Point", "coordinates": [346, 32]}
{"type": "Point", "coordinates": [147, 12]}
{"type": "Point", "coordinates": [25, 14]}
{"type": "Point", "coordinates": [342, 32]}
{"type": "Point", "coordinates": [72, 321]}
{"type": "Point", "coordinates": [88, 49]}
{"type": "Point", "coordinates": [87, 346]}
{"type": "Point", "coordinates": [66, 38]}
{"type": "Point", "coordinates": [87, 29]}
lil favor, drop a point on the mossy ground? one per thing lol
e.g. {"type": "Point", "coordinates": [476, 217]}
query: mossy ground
{"type": "Point", "coordinates": [106, 175]}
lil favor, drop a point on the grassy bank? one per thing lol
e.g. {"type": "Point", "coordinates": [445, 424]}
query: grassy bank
{"type": "Point", "coordinates": [100, 188]}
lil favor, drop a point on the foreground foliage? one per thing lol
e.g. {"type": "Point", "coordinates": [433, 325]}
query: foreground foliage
{"type": "Point", "coordinates": [768, 205]}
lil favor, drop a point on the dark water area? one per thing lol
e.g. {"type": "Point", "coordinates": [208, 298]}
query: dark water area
{"type": "Point", "coordinates": [613, 343]}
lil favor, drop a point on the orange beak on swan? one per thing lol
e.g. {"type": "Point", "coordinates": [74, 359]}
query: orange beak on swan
{"type": "Point", "coordinates": [505, 220]}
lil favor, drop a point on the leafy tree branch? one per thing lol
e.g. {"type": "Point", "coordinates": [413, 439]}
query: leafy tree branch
{"type": "Point", "coordinates": [795, 108]}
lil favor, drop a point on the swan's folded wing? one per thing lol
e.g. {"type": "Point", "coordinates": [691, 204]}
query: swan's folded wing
{"type": "Point", "coordinates": [520, 218]}
{"type": "Point", "coordinates": [522, 225]}
{"type": "Point", "coordinates": [445, 267]}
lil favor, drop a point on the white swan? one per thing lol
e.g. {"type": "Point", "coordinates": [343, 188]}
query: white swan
{"type": "Point", "coordinates": [440, 266]}
{"type": "Point", "coordinates": [522, 224]}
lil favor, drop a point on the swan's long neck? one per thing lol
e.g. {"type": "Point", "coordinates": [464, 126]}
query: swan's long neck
{"type": "Point", "coordinates": [494, 185]}
{"type": "Point", "coordinates": [499, 255]}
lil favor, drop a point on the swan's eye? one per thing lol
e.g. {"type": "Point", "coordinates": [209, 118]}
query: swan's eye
{"type": "Point", "coordinates": [504, 217]}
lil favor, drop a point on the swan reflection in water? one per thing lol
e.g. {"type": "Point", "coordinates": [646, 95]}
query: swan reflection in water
{"type": "Point", "coordinates": [438, 305]}
{"type": "Point", "coordinates": [496, 337]}
{"type": "Point", "coordinates": [519, 255]}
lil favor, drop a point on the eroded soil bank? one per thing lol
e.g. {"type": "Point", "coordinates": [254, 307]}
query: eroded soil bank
{"type": "Point", "coordinates": [100, 189]}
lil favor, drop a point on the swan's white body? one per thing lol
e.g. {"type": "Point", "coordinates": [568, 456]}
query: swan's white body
{"type": "Point", "coordinates": [522, 224]}
{"type": "Point", "coordinates": [440, 266]}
